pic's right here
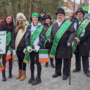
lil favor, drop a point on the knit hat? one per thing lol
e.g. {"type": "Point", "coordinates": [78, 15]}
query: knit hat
{"type": "Point", "coordinates": [21, 15]}
{"type": "Point", "coordinates": [35, 14]}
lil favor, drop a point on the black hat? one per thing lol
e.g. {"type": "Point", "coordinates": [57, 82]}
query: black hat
{"type": "Point", "coordinates": [42, 10]}
{"type": "Point", "coordinates": [60, 10]}
{"type": "Point", "coordinates": [80, 10]}
{"type": "Point", "coordinates": [47, 16]}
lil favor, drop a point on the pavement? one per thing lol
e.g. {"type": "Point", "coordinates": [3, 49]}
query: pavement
{"type": "Point", "coordinates": [79, 81]}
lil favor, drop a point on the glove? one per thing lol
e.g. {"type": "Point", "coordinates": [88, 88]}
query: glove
{"type": "Point", "coordinates": [14, 52]}
{"type": "Point", "coordinates": [29, 49]}
{"type": "Point", "coordinates": [68, 44]}
{"type": "Point", "coordinates": [37, 49]}
{"type": "Point", "coordinates": [25, 50]}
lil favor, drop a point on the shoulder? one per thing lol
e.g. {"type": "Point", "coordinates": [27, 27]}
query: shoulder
{"type": "Point", "coordinates": [28, 27]}
{"type": "Point", "coordinates": [54, 24]}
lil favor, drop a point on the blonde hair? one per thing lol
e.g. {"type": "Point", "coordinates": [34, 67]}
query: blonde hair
{"type": "Point", "coordinates": [17, 26]}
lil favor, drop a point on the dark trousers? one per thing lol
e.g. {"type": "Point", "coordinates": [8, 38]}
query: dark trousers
{"type": "Point", "coordinates": [51, 60]}
{"type": "Point", "coordinates": [34, 57]}
{"type": "Point", "coordinates": [85, 62]}
{"type": "Point", "coordinates": [78, 61]}
{"type": "Point", "coordinates": [66, 66]}
{"type": "Point", "coordinates": [20, 55]}
{"type": "Point", "coordinates": [4, 62]}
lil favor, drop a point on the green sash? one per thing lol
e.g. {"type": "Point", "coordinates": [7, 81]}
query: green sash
{"type": "Point", "coordinates": [33, 38]}
{"type": "Point", "coordinates": [58, 36]}
{"type": "Point", "coordinates": [8, 39]}
{"type": "Point", "coordinates": [79, 33]}
{"type": "Point", "coordinates": [48, 33]}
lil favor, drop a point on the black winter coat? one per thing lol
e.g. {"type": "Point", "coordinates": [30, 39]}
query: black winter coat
{"type": "Point", "coordinates": [84, 45]}
{"type": "Point", "coordinates": [63, 51]}
{"type": "Point", "coordinates": [41, 37]}
{"type": "Point", "coordinates": [21, 45]}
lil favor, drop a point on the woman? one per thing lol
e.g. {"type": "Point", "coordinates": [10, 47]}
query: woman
{"type": "Point", "coordinates": [8, 26]}
{"type": "Point", "coordinates": [19, 39]}
{"type": "Point", "coordinates": [34, 38]}
{"type": "Point", "coordinates": [47, 27]}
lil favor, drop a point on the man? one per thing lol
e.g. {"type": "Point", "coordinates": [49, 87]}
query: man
{"type": "Point", "coordinates": [34, 39]}
{"type": "Point", "coordinates": [42, 15]}
{"type": "Point", "coordinates": [81, 45]}
{"type": "Point", "coordinates": [62, 36]}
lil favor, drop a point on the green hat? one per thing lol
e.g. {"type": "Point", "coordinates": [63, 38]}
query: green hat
{"type": "Point", "coordinates": [89, 14]}
{"type": "Point", "coordinates": [35, 14]}
{"type": "Point", "coordinates": [85, 9]}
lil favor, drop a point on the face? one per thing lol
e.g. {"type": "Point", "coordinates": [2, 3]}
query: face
{"type": "Point", "coordinates": [48, 21]}
{"type": "Point", "coordinates": [89, 17]}
{"type": "Point", "coordinates": [34, 19]}
{"type": "Point", "coordinates": [80, 15]}
{"type": "Point", "coordinates": [20, 20]}
{"type": "Point", "coordinates": [9, 19]}
{"type": "Point", "coordinates": [60, 17]}
{"type": "Point", "coordinates": [42, 14]}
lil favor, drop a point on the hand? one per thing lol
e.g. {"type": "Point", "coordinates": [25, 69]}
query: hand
{"type": "Point", "coordinates": [14, 52]}
{"type": "Point", "coordinates": [37, 49]}
{"type": "Point", "coordinates": [68, 44]}
{"type": "Point", "coordinates": [77, 39]}
{"type": "Point", "coordinates": [25, 50]}
{"type": "Point", "coordinates": [29, 49]}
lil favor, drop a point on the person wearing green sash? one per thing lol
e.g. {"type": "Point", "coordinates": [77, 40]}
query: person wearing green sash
{"type": "Point", "coordinates": [34, 39]}
{"type": "Point", "coordinates": [47, 27]}
{"type": "Point", "coordinates": [81, 44]}
{"type": "Point", "coordinates": [8, 26]}
{"type": "Point", "coordinates": [62, 36]}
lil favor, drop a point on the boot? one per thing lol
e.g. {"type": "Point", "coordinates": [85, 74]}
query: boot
{"type": "Point", "coordinates": [51, 61]}
{"type": "Point", "coordinates": [31, 80]}
{"type": "Point", "coordinates": [3, 76]}
{"type": "Point", "coordinates": [46, 65]}
{"type": "Point", "coordinates": [19, 75]}
{"type": "Point", "coordinates": [10, 73]}
{"type": "Point", "coordinates": [23, 75]}
{"type": "Point", "coordinates": [36, 81]}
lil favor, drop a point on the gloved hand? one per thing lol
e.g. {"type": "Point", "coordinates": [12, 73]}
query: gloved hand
{"type": "Point", "coordinates": [14, 52]}
{"type": "Point", "coordinates": [25, 50]}
{"type": "Point", "coordinates": [68, 44]}
{"type": "Point", "coordinates": [37, 49]}
{"type": "Point", "coordinates": [29, 49]}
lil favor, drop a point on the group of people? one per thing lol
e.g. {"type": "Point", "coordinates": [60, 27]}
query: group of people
{"type": "Point", "coordinates": [62, 38]}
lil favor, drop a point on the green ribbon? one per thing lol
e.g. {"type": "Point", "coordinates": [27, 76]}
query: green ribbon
{"type": "Point", "coordinates": [79, 33]}
{"type": "Point", "coordinates": [58, 36]}
{"type": "Point", "coordinates": [79, 20]}
{"type": "Point", "coordinates": [47, 35]}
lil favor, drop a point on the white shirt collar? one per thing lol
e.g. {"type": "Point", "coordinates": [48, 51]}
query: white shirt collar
{"type": "Point", "coordinates": [59, 23]}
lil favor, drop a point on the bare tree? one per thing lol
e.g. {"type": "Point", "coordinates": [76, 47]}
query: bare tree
{"type": "Point", "coordinates": [86, 3]}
